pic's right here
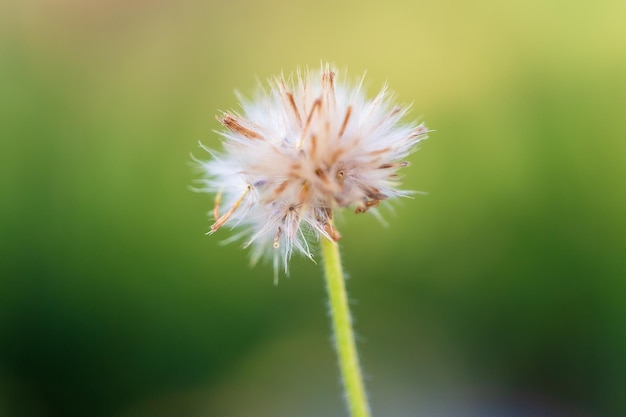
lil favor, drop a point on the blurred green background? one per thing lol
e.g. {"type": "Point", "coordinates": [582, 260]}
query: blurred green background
{"type": "Point", "coordinates": [500, 293]}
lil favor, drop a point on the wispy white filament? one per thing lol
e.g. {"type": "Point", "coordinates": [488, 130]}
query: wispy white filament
{"type": "Point", "coordinates": [304, 147]}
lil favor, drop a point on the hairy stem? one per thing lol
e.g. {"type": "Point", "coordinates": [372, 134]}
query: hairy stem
{"type": "Point", "coordinates": [342, 329]}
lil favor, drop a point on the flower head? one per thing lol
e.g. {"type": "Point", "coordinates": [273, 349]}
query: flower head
{"type": "Point", "coordinates": [300, 150]}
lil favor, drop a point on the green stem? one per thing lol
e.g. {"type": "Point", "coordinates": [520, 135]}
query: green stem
{"type": "Point", "coordinates": [342, 328]}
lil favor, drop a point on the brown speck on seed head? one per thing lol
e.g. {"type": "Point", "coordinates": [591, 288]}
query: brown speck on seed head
{"type": "Point", "coordinates": [313, 147]}
{"type": "Point", "coordinates": [344, 124]}
{"type": "Point", "coordinates": [281, 187]}
{"type": "Point", "coordinates": [305, 192]}
{"type": "Point", "coordinates": [367, 204]}
{"type": "Point", "coordinates": [380, 151]}
{"type": "Point", "coordinates": [328, 79]}
{"type": "Point", "coordinates": [305, 131]}
{"type": "Point", "coordinates": [234, 124]}
{"type": "Point", "coordinates": [394, 165]}
{"type": "Point", "coordinates": [328, 85]}
{"type": "Point", "coordinates": [294, 107]}
{"type": "Point", "coordinates": [374, 194]}
{"type": "Point", "coordinates": [332, 232]}
{"type": "Point", "coordinates": [224, 218]}
{"type": "Point", "coordinates": [395, 110]}
{"type": "Point", "coordinates": [321, 174]}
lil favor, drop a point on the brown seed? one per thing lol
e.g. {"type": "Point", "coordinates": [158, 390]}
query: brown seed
{"type": "Point", "coordinates": [332, 232]}
{"type": "Point", "coordinates": [345, 121]}
{"type": "Point", "coordinates": [294, 107]}
{"type": "Point", "coordinates": [234, 124]}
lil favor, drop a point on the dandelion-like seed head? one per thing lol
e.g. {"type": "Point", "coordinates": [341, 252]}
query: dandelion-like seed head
{"type": "Point", "coordinates": [303, 148]}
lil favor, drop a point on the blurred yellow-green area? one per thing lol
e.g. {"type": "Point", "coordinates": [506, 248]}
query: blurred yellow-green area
{"type": "Point", "coordinates": [502, 292]}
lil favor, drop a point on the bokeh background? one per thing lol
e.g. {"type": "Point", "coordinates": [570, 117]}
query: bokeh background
{"type": "Point", "coordinates": [500, 293]}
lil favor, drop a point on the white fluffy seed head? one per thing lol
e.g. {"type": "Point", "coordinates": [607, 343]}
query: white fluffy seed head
{"type": "Point", "coordinates": [301, 149]}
